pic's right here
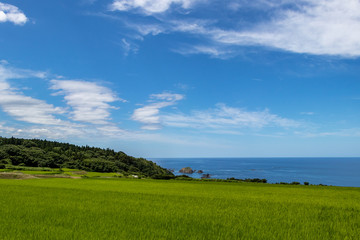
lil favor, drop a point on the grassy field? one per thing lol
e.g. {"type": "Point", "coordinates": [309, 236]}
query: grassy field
{"type": "Point", "coordinates": [65, 172]}
{"type": "Point", "coordinates": [55, 208]}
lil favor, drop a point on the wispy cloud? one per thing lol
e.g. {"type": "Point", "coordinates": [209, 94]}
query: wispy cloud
{"type": "Point", "coordinates": [224, 117]}
{"type": "Point", "coordinates": [307, 113]}
{"type": "Point", "coordinates": [102, 133]}
{"type": "Point", "coordinates": [150, 6]}
{"type": "Point", "coordinates": [51, 132]}
{"type": "Point", "coordinates": [89, 101]}
{"type": "Point", "coordinates": [8, 72]}
{"type": "Point", "coordinates": [6, 129]}
{"type": "Point", "coordinates": [318, 27]}
{"type": "Point", "coordinates": [63, 131]}
{"type": "Point", "coordinates": [11, 13]}
{"type": "Point", "coordinates": [149, 114]}
{"type": "Point", "coordinates": [21, 107]}
{"type": "Point", "coordinates": [128, 47]}
{"type": "Point", "coordinates": [321, 27]}
{"type": "Point", "coordinates": [28, 109]}
{"type": "Point", "coordinates": [213, 51]}
{"type": "Point", "coordinates": [353, 132]}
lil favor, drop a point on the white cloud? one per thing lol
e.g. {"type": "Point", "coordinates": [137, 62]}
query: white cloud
{"type": "Point", "coordinates": [89, 101]}
{"type": "Point", "coordinates": [27, 109]}
{"type": "Point", "coordinates": [10, 13]}
{"type": "Point", "coordinates": [318, 27]}
{"type": "Point", "coordinates": [321, 27]}
{"type": "Point", "coordinates": [51, 132]}
{"type": "Point", "coordinates": [224, 117]}
{"type": "Point", "coordinates": [149, 114]}
{"type": "Point", "coordinates": [7, 72]}
{"type": "Point", "coordinates": [146, 29]}
{"type": "Point", "coordinates": [21, 107]}
{"type": "Point", "coordinates": [112, 131]}
{"type": "Point", "coordinates": [100, 132]}
{"type": "Point", "coordinates": [150, 6]}
{"type": "Point", "coordinates": [170, 98]}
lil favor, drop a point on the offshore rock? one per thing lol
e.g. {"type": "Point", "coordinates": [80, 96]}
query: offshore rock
{"type": "Point", "coordinates": [187, 170]}
{"type": "Point", "coordinates": [206, 175]}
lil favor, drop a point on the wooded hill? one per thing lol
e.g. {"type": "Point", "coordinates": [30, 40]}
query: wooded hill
{"type": "Point", "coordinates": [43, 153]}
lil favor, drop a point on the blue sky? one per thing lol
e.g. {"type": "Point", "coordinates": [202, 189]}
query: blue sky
{"type": "Point", "coordinates": [184, 78]}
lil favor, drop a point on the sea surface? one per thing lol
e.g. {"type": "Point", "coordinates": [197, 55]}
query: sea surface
{"type": "Point", "coordinates": [327, 171]}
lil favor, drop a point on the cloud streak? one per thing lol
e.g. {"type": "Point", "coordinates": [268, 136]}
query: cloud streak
{"type": "Point", "coordinates": [149, 7]}
{"type": "Point", "coordinates": [224, 117]}
{"type": "Point", "coordinates": [149, 114]}
{"type": "Point", "coordinates": [353, 132]}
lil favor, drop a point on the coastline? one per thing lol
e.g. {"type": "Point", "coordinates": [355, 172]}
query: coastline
{"type": "Point", "coordinates": [335, 171]}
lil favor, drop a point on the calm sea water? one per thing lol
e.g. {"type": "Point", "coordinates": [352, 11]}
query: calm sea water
{"type": "Point", "coordinates": [329, 171]}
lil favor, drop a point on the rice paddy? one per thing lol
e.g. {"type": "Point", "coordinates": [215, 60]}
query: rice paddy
{"type": "Point", "coordinates": [115, 208]}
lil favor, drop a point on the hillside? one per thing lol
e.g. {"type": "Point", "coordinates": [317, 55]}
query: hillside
{"type": "Point", "coordinates": [43, 153]}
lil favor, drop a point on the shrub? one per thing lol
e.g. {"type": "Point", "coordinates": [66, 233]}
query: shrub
{"type": "Point", "coordinates": [183, 176]}
{"type": "Point", "coordinates": [2, 166]}
{"type": "Point", "coordinates": [306, 183]}
{"type": "Point", "coordinates": [233, 179]}
{"type": "Point", "coordinates": [257, 180]}
{"type": "Point", "coordinates": [163, 176]}
{"type": "Point", "coordinates": [5, 161]}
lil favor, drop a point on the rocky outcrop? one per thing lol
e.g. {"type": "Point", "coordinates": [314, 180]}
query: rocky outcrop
{"type": "Point", "coordinates": [206, 175]}
{"type": "Point", "coordinates": [187, 170]}
{"type": "Point", "coordinates": [200, 171]}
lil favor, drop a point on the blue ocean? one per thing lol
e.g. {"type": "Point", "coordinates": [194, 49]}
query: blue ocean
{"type": "Point", "coordinates": [327, 171]}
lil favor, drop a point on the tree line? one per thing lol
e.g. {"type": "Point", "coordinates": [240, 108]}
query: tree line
{"type": "Point", "coordinates": [44, 153]}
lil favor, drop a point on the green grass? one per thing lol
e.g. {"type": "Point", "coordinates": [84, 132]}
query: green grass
{"type": "Point", "coordinates": [155, 209]}
{"type": "Point", "coordinates": [55, 171]}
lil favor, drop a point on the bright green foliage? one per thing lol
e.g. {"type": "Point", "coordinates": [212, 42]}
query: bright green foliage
{"type": "Point", "coordinates": [42, 153]}
{"type": "Point", "coordinates": [156, 209]}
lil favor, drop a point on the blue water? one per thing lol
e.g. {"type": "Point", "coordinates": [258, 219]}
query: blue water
{"type": "Point", "coordinates": [328, 171]}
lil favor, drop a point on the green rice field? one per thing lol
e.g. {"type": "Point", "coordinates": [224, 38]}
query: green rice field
{"type": "Point", "coordinates": [116, 208]}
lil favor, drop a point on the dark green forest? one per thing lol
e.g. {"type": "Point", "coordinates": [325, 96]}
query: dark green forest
{"type": "Point", "coordinates": [43, 153]}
